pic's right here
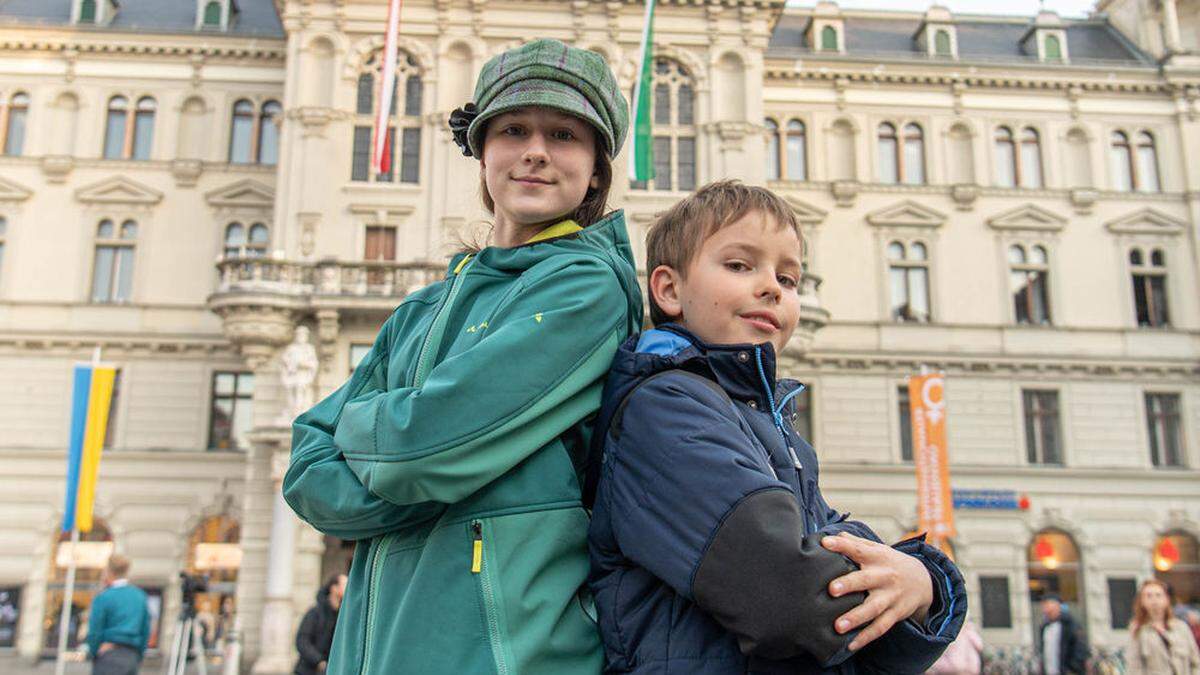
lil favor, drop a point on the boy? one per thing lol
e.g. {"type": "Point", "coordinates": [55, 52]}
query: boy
{"type": "Point", "coordinates": [712, 548]}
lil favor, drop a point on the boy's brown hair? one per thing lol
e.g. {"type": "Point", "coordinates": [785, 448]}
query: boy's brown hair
{"type": "Point", "coordinates": [118, 565]}
{"type": "Point", "coordinates": [676, 237]}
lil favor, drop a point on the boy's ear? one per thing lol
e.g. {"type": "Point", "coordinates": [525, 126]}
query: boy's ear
{"type": "Point", "coordinates": [664, 287]}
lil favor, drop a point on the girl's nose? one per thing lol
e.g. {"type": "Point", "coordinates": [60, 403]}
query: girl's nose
{"type": "Point", "coordinates": [535, 152]}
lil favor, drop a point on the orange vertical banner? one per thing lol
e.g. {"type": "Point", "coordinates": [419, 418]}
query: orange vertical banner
{"type": "Point", "coordinates": [927, 405]}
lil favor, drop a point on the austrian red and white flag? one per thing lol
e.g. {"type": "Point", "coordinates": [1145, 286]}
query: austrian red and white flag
{"type": "Point", "coordinates": [381, 151]}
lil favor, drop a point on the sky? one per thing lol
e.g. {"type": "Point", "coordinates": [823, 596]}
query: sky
{"type": "Point", "coordinates": [1065, 8]}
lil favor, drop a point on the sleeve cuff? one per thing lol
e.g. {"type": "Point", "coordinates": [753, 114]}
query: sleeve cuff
{"type": "Point", "coordinates": [948, 608]}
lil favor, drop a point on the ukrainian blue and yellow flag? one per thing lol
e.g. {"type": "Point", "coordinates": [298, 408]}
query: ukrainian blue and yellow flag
{"type": "Point", "coordinates": [90, 399]}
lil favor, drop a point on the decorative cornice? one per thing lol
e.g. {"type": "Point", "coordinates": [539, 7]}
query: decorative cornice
{"type": "Point", "coordinates": [847, 74]}
{"type": "Point", "coordinates": [115, 45]}
{"type": "Point", "coordinates": [118, 190]}
{"type": "Point", "coordinates": [996, 366]}
{"type": "Point", "coordinates": [1027, 217]}
{"type": "Point", "coordinates": [907, 214]}
{"type": "Point", "coordinates": [1146, 221]}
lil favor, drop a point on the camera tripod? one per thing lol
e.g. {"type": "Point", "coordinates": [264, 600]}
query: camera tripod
{"type": "Point", "coordinates": [186, 639]}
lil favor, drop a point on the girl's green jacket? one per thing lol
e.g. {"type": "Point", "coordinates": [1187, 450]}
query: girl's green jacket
{"type": "Point", "coordinates": [451, 456]}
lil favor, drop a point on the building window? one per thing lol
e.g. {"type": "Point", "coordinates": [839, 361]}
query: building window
{"type": "Point", "coordinates": [773, 159]}
{"type": "Point", "coordinates": [941, 43]}
{"type": "Point", "coordinates": [674, 129]}
{"type": "Point", "coordinates": [358, 352]}
{"type": "Point", "coordinates": [129, 136]}
{"type": "Point", "coordinates": [1120, 160]}
{"type": "Point", "coordinates": [1149, 288]}
{"type": "Point", "coordinates": [243, 242]}
{"type": "Point", "coordinates": [3, 240]}
{"type": "Point", "coordinates": [380, 247]}
{"type": "Point", "coordinates": [905, 411]}
{"type": "Point", "coordinates": [1042, 437]}
{"type": "Point", "coordinates": [1027, 282]}
{"type": "Point", "coordinates": [1054, 569]}
{"type": "Point", "coordinates": [1177, 563]}
{"type": "Point", "coordinates": [1006, 158]}
{"type": "Point", "coordinates": [230, 419]}
{"type": "Point", "coordinates": [889, 158]}
{"type": "Point", "coordinates": [87, 11]}
{"type": "Point", "coordinates": [1146, 176]}
{"type": "Point", "coordinates": [1029, 171]}
{"type": "Point", "coordinates": [405, 119]}
{"type": "Point", "coordinates": [1018, 164]}
{"type": "Point", "coordinates": [913, 164]}
{"type": "Point", "coordinates": [1053, 48]}
{"type": "Point", "coordinates": [829, 39]}
{"type": "Point", "coordinates": [254, 138]}
{"type": "Point", "coordinates": [995, 602]}
{"type": "Point", "coordinates": [212, 15]}
{"type": "Point", "coordinates": [908, 273]}
{"type": "Point", "coordinates": [1162, 425]}
{"type": "Point", "coordinates": [213, 552]}
{"type": "Point", "coordinates": [112, 270]}
{"type": "Point", "coordinates": [13, 119]}
{"type": "Point", "coordinates": [796, 163]}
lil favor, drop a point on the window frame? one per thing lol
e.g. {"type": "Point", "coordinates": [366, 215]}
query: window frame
{"type": "Point", "coordinates": [235, 397]}
{"type": "Point", "coordinates": [908, 264]}
{"type": "Point", "coordinates": [1036, 456]}
{"type": "Point", "coordinates": [900, 134]}
{"type": "Point", "coordinates": [1119, 142]}
{"type": "Point", "coordinates": [401, 120]}
{"type": "Point", "coordinates": [1145, 273]}
{"type": "Point", "coordinates": [1156, 454]}
{"type": "Point", "coordinates": [10, 107]}
{"type": "Point", "coordinates": [117, 243]}
{"type": "Point", "coordinates": [136, 108]}
{"type": "Point", "coordinates": [1028, 266]}
{"type": "Point", "coordinates": [672, 73]}
{"type": "Point", "coordinates": [255, 111]}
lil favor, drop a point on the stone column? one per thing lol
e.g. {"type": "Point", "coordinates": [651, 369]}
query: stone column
{"type": "Point", "coordinates": [276, 653]}
{"type": "Point", "coordinates": [1171, 27]}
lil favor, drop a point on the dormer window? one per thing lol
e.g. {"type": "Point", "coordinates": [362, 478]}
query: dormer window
{"type": "Point", "coordinates": [1046, 39]}
{"type": "Point", "coordinates": [93, 12]}
{"type": "Point", "coordinates": [829, 39]}
{"type": "Point", "coordinates": [825, 32]}
{"type": "Point", "coordinates": [215, 15]}
{"type": "Point", "coordinates": [936, 35]}
{"type": "Point", "coordinates": [941, 43]}
{"type": "Point", "coordinates": [1051, 48]}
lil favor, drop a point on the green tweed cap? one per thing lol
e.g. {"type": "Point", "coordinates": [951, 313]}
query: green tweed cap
{"type": "Point", "coordinates": [551, 74]}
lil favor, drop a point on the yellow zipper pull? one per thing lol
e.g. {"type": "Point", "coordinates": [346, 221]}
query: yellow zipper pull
{"type": "Point", "coordinates": [477, 548]}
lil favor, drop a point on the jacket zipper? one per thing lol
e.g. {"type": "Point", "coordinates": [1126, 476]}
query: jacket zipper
{"type": "Point", "coordinates": [381, 544]}
{"type": "Point", "coordinates": [490, 611]}
{"type": "Point", "coordinates": [777, 417]}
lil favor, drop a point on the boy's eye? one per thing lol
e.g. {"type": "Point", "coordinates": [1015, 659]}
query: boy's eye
{"type": "Point", "coordinates": [736, 266]}
{"type": "Point", "coordinates": [787, 281]}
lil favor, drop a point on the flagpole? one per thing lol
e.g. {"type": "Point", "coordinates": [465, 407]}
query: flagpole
{"type": "Point", "coordinates": [64, 620]}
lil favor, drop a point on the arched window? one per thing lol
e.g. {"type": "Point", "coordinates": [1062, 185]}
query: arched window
{"type": "Point", "coordinates": [143, 128]}
{"type": "Point", "coordinates": [773, 162]}
{"type": "Point", "coordinates": [941, 43]}
{"type": "Point", "coordinates": [797, 151]}
{"type": "Point", "coordinates": [908, 274]}
{"type": "Point", "coordinates": [268, 133]}
{"type": "Point", "coordinates": [888, 153]}
{"type": "Point", "coordinates": [912, 166]}
{"type": "Point", "coordinates": [15, 117]}
{"type": "Point", "coordinates": [1028, 280]}
{"type": "Point", "coordinates": [91, 555]}
{"type": "Point", "coordinates": [112, 269]}
{"type": "Point", "coordinates": [1006, 158]}
{"type": "Point", "coordinates": [1149, 288]}
{"type": "Point", "coordinates": [1030, 168]}
{"type": "Point", "coordinates": [1054, 569]}
{"type": "Point", "coordinates": [1176, 558]}
{"type": "Point", "coordinates": [674, 143]}
{"type": "Point", "coordinates": [1053, 48]}
{"type": "Point", "coordinates": [1147, 163]}
{"type": "Point", "coordinates": [212, 14]}
{"type": "Point", "coordinates": [248, 242]}
{"type": "Point", "coordinates": [829, 39]}
{"type": "Point", "coordinates": [214, 551]}
{"type": "Point", "coordinates": [1120, 161]}
{"type": "Point", "coordinates": [114, 128]}
{"type": "Point", "coordinates": [241, 133]}
{"type": "Point", "coordinates": [405, 121]}
{"type": "Point", "coordinates": [87, 11]}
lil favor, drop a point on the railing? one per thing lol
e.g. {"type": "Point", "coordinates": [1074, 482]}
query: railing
{"type": "Point", "coordinates": [368, 279]}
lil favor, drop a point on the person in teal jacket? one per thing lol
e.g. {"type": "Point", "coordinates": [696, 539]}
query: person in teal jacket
{"type": "Point", "coordinates": [454, 452]}
{"type": "Point", "coordinates": [118, 623]}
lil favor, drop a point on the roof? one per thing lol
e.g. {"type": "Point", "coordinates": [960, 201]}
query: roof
{"type": "Point", "coordinates": [888, 35]}
{"type": "Point", "coordinates": [255, 18]}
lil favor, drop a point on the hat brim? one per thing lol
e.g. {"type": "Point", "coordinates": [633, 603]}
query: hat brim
{"type": "Point", "coordinates": [541, 93]}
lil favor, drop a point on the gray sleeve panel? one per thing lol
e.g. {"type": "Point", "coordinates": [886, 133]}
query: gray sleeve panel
{"type": "Point", "coordinates": [768, 585]}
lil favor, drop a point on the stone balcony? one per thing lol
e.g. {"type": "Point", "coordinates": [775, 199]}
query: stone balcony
{"type": "Point", "coordinates": [812, 315]}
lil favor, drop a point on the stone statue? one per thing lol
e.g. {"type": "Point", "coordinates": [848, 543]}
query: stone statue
{"type": "Point", "coordinates": [297, 372]}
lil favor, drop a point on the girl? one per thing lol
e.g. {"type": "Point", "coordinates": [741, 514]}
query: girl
{"type": "Point", "coordinates": [1160, 643]}
{"type": "Point", "coordinates": [453, 453]}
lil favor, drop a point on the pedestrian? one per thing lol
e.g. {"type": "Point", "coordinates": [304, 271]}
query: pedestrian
{"type": "Point", "coordinates": [454, 454]}
{"type": "Point", "coordinates": [963, 656]}
{"type": "Point", "coordinates": [119, 622]}
{"type": "Point", "coordinates": [1062, 647]}
{"type": "Point", "coordinates": [316, 629]}
{"type": "Point", "coordinates": [1160, 643]}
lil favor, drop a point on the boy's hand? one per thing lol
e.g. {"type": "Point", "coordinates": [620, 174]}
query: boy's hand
{"type": "Point", "coordinates": [898, 587]}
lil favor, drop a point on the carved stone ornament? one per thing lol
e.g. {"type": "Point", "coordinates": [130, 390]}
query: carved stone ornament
{"type": "Point", "coordinates": [964, 195]}
{"type": "Point", "coordinates": [256, 331]}
{"type": "Point", "coordinates": [298, 366]}
{"type": "Point", "coordinates": [186, 172]}
{"type": "Point", "coordinates": [1083, 199]}
{"type": "Point", "coordinates": [57, 167]}
{"type": "Point", "coordinates": [845, 192]}
{"type": "Point", "coordinates": [313, 121]}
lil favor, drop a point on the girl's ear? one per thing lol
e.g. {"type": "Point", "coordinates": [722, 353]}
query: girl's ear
{"type": "Point", "coordinates": [594, 183]}
{"type": "Point", "coordinates": [664, 287]}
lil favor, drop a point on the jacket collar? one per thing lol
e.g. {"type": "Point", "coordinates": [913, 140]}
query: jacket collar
{"type": "Point", "coordinates": [606, 236]}
{"type": "Point", "coordinates": [745, 371]}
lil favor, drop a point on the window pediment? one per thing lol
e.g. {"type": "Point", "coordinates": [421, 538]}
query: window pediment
{"type": "Point", "coordinates": [907, 214]}
{"type": "Point", "coordinates": [13, 192]}
{"type": "Point", "coordinates": [244, 194]}
{"type": "Point", "coordinates": [1028, 217]}
{"type": "Point", "coordinates": [806, 214]}
{"type": "Point", "coordinates": [118, 190]}
{"type": "Point", "coordinates": [1146, 221]}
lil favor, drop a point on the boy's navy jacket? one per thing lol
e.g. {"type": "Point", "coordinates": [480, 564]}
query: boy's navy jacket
{"type": "Point", "coordinates": [707, 519]}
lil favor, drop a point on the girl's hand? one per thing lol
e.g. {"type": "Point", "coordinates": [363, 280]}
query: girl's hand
{"type": "Point", "coordinates": [897, 584]}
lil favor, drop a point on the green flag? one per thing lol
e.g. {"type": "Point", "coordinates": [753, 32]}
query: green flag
{"type": "Point", "coordinates": [641, 165]}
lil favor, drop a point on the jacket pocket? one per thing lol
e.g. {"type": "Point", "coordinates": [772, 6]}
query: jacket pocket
{"type": "Point", "coordinates": [483, 567]}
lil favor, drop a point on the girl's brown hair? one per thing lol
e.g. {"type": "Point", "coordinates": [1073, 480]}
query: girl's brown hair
{"type": "Point", "coordinates": [1141, 615]}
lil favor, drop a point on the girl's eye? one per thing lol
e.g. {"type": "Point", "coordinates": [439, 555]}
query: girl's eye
{"type": "Point", "coordinates": [564, 134]}
{"type": "Point", "coordinates": [786, 281]}
{"type": "Point", "coordinates": [736, 266]}
{"type": "Point", "coordinates": [512, 130]}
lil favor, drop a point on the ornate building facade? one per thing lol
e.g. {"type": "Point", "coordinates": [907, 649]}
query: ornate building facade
{"type": "Point", "coordinates": [1012, 201]}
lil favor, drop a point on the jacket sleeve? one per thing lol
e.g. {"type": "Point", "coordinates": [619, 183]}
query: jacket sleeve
{"type": "Point", "coordinates": [144, 637]}
{"type": "Point", "coordinates": [305, 639]}
{"type": "Point", "coordinates": [96, 618]}
{"type": "Point", "coordinates": [1135, 661]}
{"type": "Point", "coordinates": [537, 370]}
{"type": "Point", "coordinates": [319, 485]}
{"type": "Point", "coordinates": [695, 501]}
